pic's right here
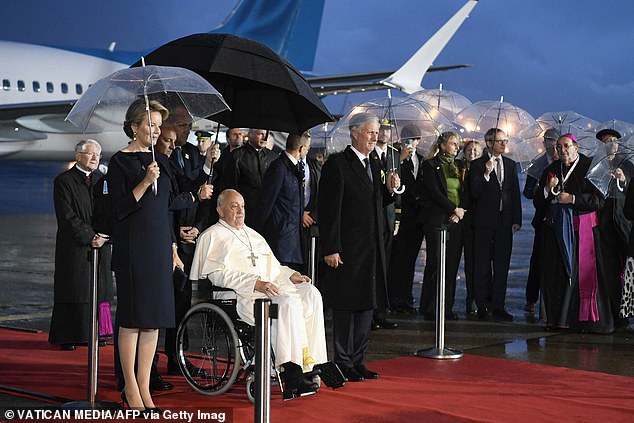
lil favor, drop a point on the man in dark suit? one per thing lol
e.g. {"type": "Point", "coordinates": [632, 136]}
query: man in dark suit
{"type": "Point", "coordinates": [497, 214]}
{"type": "Point", "coordinates": [310, 229]}
{"type": "Point", "coordinates": [351, 205]}
{"type": "Point", "coordinates": [532, 283]}
{"type": "Point", "coordinates": [245, 168]}
{"type": "Point", "coordinates": [280, 208]}
{"type": "Point", "coordinates": [388, 158]}
{"type": "Point", "coordinates": [408, 239]}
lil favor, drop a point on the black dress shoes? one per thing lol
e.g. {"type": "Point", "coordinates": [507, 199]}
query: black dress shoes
{"type": "Point", "coordinates": [351, 374]}
{"type": "Point", "coordinates": [67, 347]}
{"type": "Point", "coordinates": [365, 372]}
{"type": "Point", "coordinates": [502, 315]}
{"type": "Point", "coordinates": [483, 314]}
{"type": "Point", "coordinates": [158, 384]}
{"type": "Point", "coordinates": [295, 385]}
{"type": "Point", "coordinates": [385, 324]}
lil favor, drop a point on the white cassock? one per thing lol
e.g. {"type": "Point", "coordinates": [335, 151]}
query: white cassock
{"type": "Point", "coordinates": [236, 259]}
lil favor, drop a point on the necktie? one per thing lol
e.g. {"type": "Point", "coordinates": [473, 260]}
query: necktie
{"type": "Point", "coordinates": [179, 157]}
{"type": "Point", "coordinates": [498, 171]}
{"type": "Point", "coordinates": [384, 160]}
{"type": "Point", "coordinates": [368, 169]}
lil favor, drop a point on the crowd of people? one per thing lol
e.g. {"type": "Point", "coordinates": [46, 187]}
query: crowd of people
{"type": "Point", "coordinates": [243, 217]}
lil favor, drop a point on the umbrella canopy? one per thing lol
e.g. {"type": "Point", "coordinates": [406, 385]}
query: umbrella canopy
{"type": "Point", "coordinates": [520, 127]}
{"type": "Point", "coordinates": [449, 103]}
{"type": "Point", "coordinates": [584, 128]}
{"type": "Point", "coordinates": [104, 104]}
{"type": "Point", "coordinates": [262, 89]}
{"type": "Point", "coordinates": [609, 162]}
{"type": "Point", "coordinates": [397, 112]}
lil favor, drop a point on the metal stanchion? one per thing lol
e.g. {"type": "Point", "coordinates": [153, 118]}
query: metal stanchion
{"type": "Point", "coordinates": [93, 347]}
{"type": "Point", "coordinates": [312, 259]}
{"type": "Point", "coordinates": [439, 351]}
{"type": "Point", "coordinates": [263, 361]}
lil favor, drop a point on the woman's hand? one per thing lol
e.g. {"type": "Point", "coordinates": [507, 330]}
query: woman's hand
{"type": "Point", "coordinates": [459, 211]}
{"type": "Point", "coordinates": [152, 173]}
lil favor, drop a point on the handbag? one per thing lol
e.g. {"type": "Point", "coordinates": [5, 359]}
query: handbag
{"type": "Point", "coordinates": [179, 278]}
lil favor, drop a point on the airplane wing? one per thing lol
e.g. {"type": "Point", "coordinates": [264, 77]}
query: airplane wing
{"type": "Point", "coordinates": [360, 82]}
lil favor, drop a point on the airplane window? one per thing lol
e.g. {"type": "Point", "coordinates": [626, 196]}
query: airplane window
{"type": "Point", "coordinates": [78, 89]}
{"type": "Point", "coordinates": [36, 86]}
{"type": "Point", "coordinates": [6, 84]}
{"type": "Point", "coordinates": [21, 85]}
{"type": "Point", "coordinates": [49, 87]}
{"type": "Point", "coordinates": [64, 88]}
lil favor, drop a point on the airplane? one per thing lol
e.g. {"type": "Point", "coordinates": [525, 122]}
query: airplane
{"type": "Point", "coordinates": [39, 84]}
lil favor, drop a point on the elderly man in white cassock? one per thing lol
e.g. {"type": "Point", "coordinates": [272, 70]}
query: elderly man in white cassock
{"type": "Point", "coordinates": [232, 255]}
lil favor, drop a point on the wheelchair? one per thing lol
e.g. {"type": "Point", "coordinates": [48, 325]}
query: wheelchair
{"type": "Point", "coordinates": [215, 348]}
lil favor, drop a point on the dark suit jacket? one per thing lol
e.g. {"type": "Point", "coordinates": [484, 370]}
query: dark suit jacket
{"type": "Point", "coordinates": [280, 208]}
{"type": "Point", "coordinates": [314, 168]}
{"type": "Point", "coordinates": [351, 213]}
{"type": "Point", "coordinates": [436, 206]}
{"type": "Point", "coordinates": [410, 199]}
{"type": "Point", "coordinates": [486, 195]}
{"type": "Point", "coordinates": [530, 186]}
{"type": "Point", "coordinates": [392, 159]}
{"type": "Point", "coordinates": [244, 170]}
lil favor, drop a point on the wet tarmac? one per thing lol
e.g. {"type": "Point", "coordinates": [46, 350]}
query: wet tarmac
{"type": "Point", "coordinates": [27, 243]}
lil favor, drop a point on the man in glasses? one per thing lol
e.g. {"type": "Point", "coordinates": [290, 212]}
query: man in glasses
{"type": "Point", "coordinates": [73, 198]}
{"type": "Point", "coordinates": [497, 214]}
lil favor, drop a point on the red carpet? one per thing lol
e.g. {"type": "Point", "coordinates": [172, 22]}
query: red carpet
{"type": "Point", "coordinates": [410, 389]}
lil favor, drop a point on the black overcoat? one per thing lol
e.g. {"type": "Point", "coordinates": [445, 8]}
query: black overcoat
{"type": "Point", "coordinates": [351, 212]}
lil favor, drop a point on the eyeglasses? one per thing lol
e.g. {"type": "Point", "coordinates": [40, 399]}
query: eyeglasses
{"type": "Point", "coordinates": [97, 155]}
{"type": "Point", "coordinates": [502, 141]}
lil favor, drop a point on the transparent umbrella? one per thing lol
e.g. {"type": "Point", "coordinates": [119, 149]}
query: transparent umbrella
{"type": "Point", "coordinates": [105, 103]}
{"type": "Point", "coordinates": [522, 130]}
{"type": "Point", "coordinates": [400, 111]}
{"type": "Point", "coordinates": [449, 103]}
{"type": "Point", "coordinates": [584, 128]}
{"type": "Point", "coordinates": [613, 165]}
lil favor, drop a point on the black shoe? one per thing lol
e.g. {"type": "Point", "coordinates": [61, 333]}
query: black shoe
{"type": "Point", "coordinates": [351, 374]}
{"type": "Point", "coordinates": [158, 384]}
{"type": "Point", "coordinates": [374, 325]}
{"type": "Point", "coordinates": [294, 383]}
{"type": "Point", "coordinates": [502, 315]}
{"type": "Point", "coordinates": [483, 314]}
{"type": "Point", "coordinates": [67, 347]}
{"type": "Point", "coordinates": [365, 372]}
{"type": "Point", "coordinates": [385, 324]}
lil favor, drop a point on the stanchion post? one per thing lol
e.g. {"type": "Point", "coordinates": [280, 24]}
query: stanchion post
{"type": "Point", "coordinates": [93, 347]}
{"type": "Point", "coordinates": [439, 351]}
{"type": "Point", "coordinates": [263, 360]}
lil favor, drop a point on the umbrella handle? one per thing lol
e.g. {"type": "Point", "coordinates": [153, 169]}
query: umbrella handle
{"type": "Point", "coordinates": [552, 191]}
{"type": "Point", "coordinates": [400, 190]}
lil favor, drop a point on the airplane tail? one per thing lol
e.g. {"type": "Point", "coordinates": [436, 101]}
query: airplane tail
{"type": "Point", "coordinates": [408, 78]}
{"type": "Point", "coordinates": [288, 27]}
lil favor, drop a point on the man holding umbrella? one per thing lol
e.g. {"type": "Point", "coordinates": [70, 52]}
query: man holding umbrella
{"type": "Point", "coordinates": [613, 233]}
{"type": "Point", "coordinates": [570, 202]}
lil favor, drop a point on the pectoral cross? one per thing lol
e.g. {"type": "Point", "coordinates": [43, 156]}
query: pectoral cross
{"type": "Point", "coordinates": [252, 257]}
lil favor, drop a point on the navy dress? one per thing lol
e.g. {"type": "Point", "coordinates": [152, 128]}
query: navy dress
{"type": "Point", "coordinates": [142, 252]}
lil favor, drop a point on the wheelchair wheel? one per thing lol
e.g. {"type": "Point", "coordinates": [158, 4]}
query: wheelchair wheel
{"type": "Point", "coordinates": [208, 349]}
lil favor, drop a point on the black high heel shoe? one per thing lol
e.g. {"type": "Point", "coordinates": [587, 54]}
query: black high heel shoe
{"type": "Point", "coordinates": [124, 401]}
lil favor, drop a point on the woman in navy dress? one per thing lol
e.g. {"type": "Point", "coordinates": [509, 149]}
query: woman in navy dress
{"type": "Point", "coordinates": [143, 253]}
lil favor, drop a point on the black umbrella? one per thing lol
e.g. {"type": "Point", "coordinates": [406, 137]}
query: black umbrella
{"type": "Point", "coordinates": [262, 89]}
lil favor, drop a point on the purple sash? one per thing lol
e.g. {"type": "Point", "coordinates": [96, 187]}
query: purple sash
{"type": "Point", "coordinates": [588, 281]}
{"type": "Point", "coordinates": [105, 320]}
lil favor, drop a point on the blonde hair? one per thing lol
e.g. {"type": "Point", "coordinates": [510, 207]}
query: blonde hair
{"type": "Point", "coordinates": [136, 114]}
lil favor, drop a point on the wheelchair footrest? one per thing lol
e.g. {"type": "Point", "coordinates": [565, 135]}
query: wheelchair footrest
{"type": "Point", "coordinates": [331, 375]}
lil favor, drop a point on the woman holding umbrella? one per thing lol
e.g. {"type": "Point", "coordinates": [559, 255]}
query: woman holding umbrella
{"type": "Point", "coordinates": [143, 254]}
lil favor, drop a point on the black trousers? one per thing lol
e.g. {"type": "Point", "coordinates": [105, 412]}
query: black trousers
{"type": "Point", "coordinates": [492, 247]}
{"type": "Point", "coordinates": [351, 336]}
{"type": "Point", "coordinates": [534, 270]}
{"type": "Point", "coordinates": [182, 303]}
{"type": "Point", "coordinates": [452, 261]}
{"type": "Point", "coordinates": [405, 251]}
